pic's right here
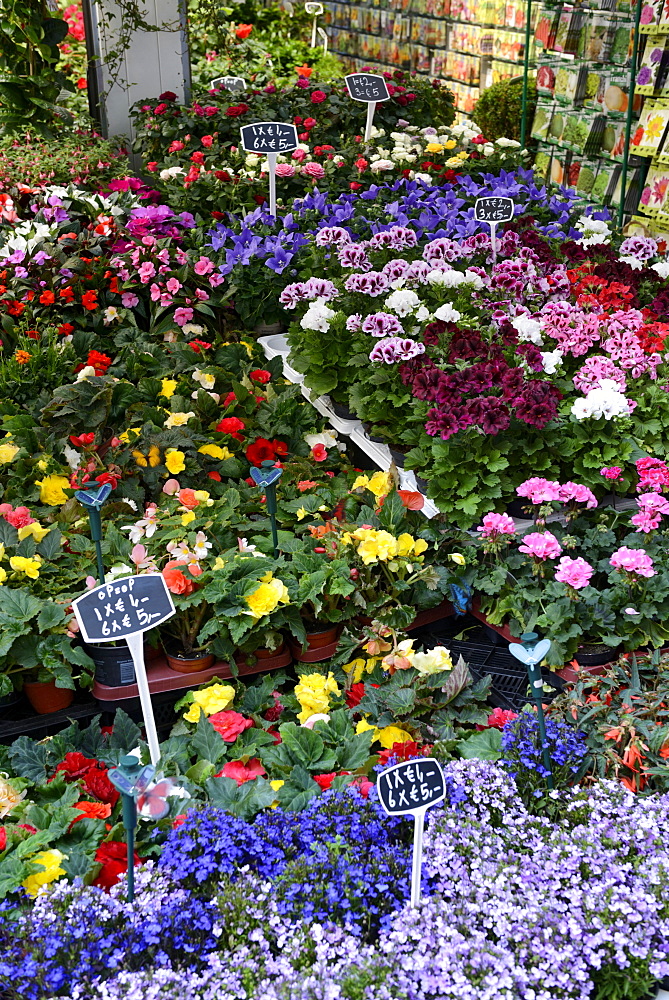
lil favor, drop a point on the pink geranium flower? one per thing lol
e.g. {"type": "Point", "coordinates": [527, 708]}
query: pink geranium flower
{"type": "Point", "coordinates": [497, 524]}
{"type": "Point", "coordinates": [575, 573]}
{"type": "Point", "coordinates": [636, 562]}
{"type": "Point", "coordinates": [541, 545]}
{"type": "Point", "coordinates": [611, 472]}
{"type": "Point", "coordinates": [581, 494]}
{"type": "Point", "coordinates": [539, 490]}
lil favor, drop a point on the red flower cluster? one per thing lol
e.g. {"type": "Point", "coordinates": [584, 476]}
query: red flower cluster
{"type": "Point", "coordinates": [92, 773]}
{"type": "Point", "coordinates": [113, 856]}
{"type": "Point", "coordinates": [229, 724]}
{"type": "Point", "coordinates": [236, 110]}
{"type": "Point", "coordinates": [262, 450]}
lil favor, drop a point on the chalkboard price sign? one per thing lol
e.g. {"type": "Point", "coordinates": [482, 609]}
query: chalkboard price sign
{"type": "Point", "coordinates": [493, 210]}
{"type": "Point", "coordinates": [124, 607]}
{"type": "Point", "coordinates": [235, 84]}
{"type": "Point", "coordinates": [366, 87]}
{"type": "Point", "coordinates": [411, 785]}
{"type": "Point", "coordinates": [269, 137]}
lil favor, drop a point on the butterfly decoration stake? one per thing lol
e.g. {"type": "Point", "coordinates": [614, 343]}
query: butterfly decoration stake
{"type": "Point", "coordinates": [92, 500]}
{"type": "Point", "coordinates": [267, 477]}
{"type": "Point", "coordinates": [531, 653]}
{"type": "Point", "coordinates": [140, 794]}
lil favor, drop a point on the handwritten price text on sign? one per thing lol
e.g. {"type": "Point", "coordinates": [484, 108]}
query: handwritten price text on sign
{"type": "Point", "coordinates": [411, 785]}
{"type": "Point", "coordinates": [269, 137]}
{"type": "Point", "coordinates": [366, 87]}
{"type": "Point", "coordinates": [493, 209]}
{"type": "Point", "coordinates": [125, 607]}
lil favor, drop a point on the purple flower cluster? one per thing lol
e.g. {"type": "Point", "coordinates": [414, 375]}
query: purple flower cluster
{"type": "Point", "coordinates": [394, 349]}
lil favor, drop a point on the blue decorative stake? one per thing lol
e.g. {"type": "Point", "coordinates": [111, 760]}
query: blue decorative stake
{"type": "Point", "coordinates": [92, 499]}
{"type": "Point", "coordinates": [267, 477]}
{"type": "Point", "coordinates": [531, 653]}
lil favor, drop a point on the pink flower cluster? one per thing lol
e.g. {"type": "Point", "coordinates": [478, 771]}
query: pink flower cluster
{"type": "Point", "coordinates": [540, 490]}
{"type": "Point", "coordinates": [611, 472]}
{"type": "Point", "coordinates": [634, 561]}
{"type": "Point", "coordinates": [394, 349]}
{"type": "Point", "coordinates": [575, 573]}
{"type": "Point", "coordinates": [495, 525]}
{"type": "Point", "coordinates": [651, 507]}
{"type": "Point", "coordinates": [305, 291]}
{"type": "Point", "coordinates": [541, 545]}
{"type": "Point", "coordinates": [18, 517]}
{"type": "Point", "coordinates": [653, 474]}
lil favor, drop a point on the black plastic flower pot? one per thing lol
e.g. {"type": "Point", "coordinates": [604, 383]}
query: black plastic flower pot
{"type": "Point", "coordinates": [113, 664]}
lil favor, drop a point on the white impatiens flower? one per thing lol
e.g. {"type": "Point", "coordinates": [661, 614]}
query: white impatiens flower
{"type": "Point", "coordinates": [111, 313]}
{"type": "Point", "coordinates": [447, 314]}
{"type": "Point", "coordinates": [606, 400]}
{"type": "Point", "coordinates": [551, 360]}
{"type": "Point", "coordinates": [318, 316]}
{"type": "Point", "coordinates": [402, 302]}
{"type": "Point", "coordinates": [528, 329]}
{"type": "Point", "coordinates": [661, 268]}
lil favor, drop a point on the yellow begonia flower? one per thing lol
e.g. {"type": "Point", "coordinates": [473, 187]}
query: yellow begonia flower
{"type": "Point", "coordinates": [433, 662]}
{"type": "Point", "coordinates": [167, 387]}
{"type": "Point", "coordinates": [364, 727]}
{"type": "Point", "coordinates": [266, 598]}
{"type": "Point", "coordinates": [420, 547]}
{"type": "Point", "coordinates": [275, 785]}
{"type": "Point", "coordinates": [357, 667]}
{"type": "Point", "coordinates": [301, 513]}
{"type": "Point", "coordinates": [28, 566]}
{"type": "Point", "coordinates": [434, 147]}
{"type": "Point", "coordinates": [213, 699]}
{"type": "Point", "coordinates": [215, 451]}
{"type": "Point", "coordinates": [458, 558]}
{"type": "Point", "coordinates": [8, 452]}
{"type": "Point", "coordinates": [9, 797]}
{"type": "Point", "coordinates": [313, 693]}
{"type": "Point", "coordinates": [379, 484]}
{"type": "Point", "coordinates": [51, 490]}
{"type": "Point", "coordinates": [174, 461]}
{"type": "Point", "coordinates": [179, 419]}
{"type": "Point", "coordinates": [361, 482]}
{"type": "Point", "coordinates": [3, 575]}
{"type": "Point", "coordinates": [33, 530]}
{"type": "Point", "coordinates": [375, 546]}
{"type": "Point", "coordinates": [219, 563]}
{"type": "Point", "coordinates": [125, 436]}
{"type": "Point", "coordinates": [392, 734]}
{"type": "Point", "coordinates": [203, 496]}
{"type": "Point", "coordinates": [405, 544]}
{"type": "Point", "coordinates": [187, 518]}
{"type": "Point", "coordinates": [49, 871]}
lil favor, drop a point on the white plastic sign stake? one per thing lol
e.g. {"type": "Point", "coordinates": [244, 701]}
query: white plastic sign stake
{"type": "Point", "coordinates": [125, 609]}
{"type": "Point", "coordinates": [235, 84]}
{"type": "Point", "coordinates": [316, 9]}
{"type": "Point", "coordinates": [270, 139]}
{"type": "Point", "coordinates": [410, 788]}
{"type": "Point", "coordinates": [494, 210]}
{"type": "Point", "coordinates": [370, 88]}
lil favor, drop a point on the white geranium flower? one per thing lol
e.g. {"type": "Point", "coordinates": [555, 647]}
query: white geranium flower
{"type": "Point", "coordinates": [662, 268]}
{"type": "Point", "coordinates": [402, 302]}
{"type": "Point", "coordinates": [606, 400]}
{"type": "Point", "coordinates": [551, 360]}
{"type": "Point", "coordinates": [447, 314]}
{"type": "Point", "coordinates": [318, 316]}
{"type": "Point", "coordinates": [528, 329]}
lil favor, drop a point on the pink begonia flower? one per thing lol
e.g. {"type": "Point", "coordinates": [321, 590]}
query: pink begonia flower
{"type": "Point", "coordinates": [91, 583]}
{"type": "Point", "coordinates": [634, 561]}
{"type": "Point", "coordinates": [539, 490]}
{"type": "Point", "coordinates": [574, 491]}
{"type": "Point", "coordinates": [182, 316]}
{"type": "Point", "coordinates": [171, 487]}
{"type": "Point", "coordinates": [138, 554]}
{"type": "Point", "coordinates": [129, 299]}
{"type": "Point", "coordinates": [611, 472]}
{"type": "Point", "coordinates": [541, 545]}
{"type": "Point", "coordinates": [497, 524]}
{"type": "Point", "coordinates": [216, 279]}
{"type": "Point", "coordinates": [575, 573]}
{"type": "Point", "coordinates": [313, 719]}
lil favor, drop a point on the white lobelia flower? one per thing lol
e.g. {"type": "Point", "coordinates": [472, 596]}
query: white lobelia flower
{"type": "Point", "coordinates": [318, 316]}
{"type": "Point", "coordinates": [402, 302]}
{"type": "Point", "coordinates": [528, 329]}
{"type": "Point", "coordinates": [447, 314]}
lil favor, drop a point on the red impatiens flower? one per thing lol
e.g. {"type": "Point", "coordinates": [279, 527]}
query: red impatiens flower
{"type": "Point", "coordinates": [242, 772]}
{"type": "Point", "coordinates": [47, 298]}
{"type": "Point", "coordinates": [89, 300]}
{"type": "Point", "coordinates": [262, 450]}
{"type": "Point", "coordinates": [243, 31]}
{"type": "Point", "coordinates": [66, 329]}
{"type": "Point", "coordinates": [113, 856]}
{"type": "Point", "coordinates": [66, 294]}
{"type": "Point", "coordinates": [229, 724]}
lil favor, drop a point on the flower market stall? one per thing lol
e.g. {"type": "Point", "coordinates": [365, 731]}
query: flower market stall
{"type": "Point", "coordinates": [334, 574]}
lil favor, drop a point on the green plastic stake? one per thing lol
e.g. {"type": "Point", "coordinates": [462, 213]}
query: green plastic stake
{"type": "Point", "coordinates": [93, 499]}
{"type": "Point", "coordinates": [125, 777]}
{"type": "Point", "coordinates": [267, 477]}
{"type": "Point", "coordinates": [630, 114]}
{"type": "Point", "coordinates": [526, 71]}
{"type": "Point", "coordinates": [529, 643]}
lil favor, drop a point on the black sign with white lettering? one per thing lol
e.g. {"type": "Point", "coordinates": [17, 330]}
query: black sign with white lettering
{"type": "Point", "coordinates": [493, 209]}
{"type": "Point", "coordinates": [366, 87]}
{"type": "Point", "coordinates": [269, 137]}
{"type": "Point", "coordinates": [235, 84]}
{"type": "Point", "coordinates": [124, 607]}
{"type": "Point", "coordinates": [411, 785]}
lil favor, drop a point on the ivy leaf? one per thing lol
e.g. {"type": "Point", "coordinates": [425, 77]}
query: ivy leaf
{"type": "Point", "coordinates": [206, 742]}
{"type": "Point", "coordinates": [28, 759]}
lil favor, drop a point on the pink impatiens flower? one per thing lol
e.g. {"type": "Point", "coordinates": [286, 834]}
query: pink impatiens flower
{"type": "Point", "coordinates": [497, 524]}
{"type": "Point", "coordinates": [634, 561]}
{"type": "Point", "coordinates": [539, 490]}
{"type": "Point", "coordinates": [541, 545]}
{"type": "Point", "coordinates": [575, 573]}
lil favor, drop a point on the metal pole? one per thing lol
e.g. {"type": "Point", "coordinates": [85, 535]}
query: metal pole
{"type": "Point", "coordinates": [630, 111]}
{"type": "Point", "coordinates": [419, 821]}
{"type": "Point", "coordinates": [526, 70]}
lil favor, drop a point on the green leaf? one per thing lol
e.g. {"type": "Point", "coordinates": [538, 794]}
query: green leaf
{"type": "Point", "coordinates": [50, 544]}
{"type": "Point", "coordinates": [200, 771]}
{"type": "Point", "coordinates": [77, 864]}
{"type": "Point", "coordinates": [19, 605]}
{"type": "Point", "coordinates": [50, 616]}
{"type": "Point", "coordinates": [485, 745]}
{"type": "Point", "coordinates": [355, 752]}
{"type": "Point", "coordinates": [243, 800]}
{"type": "Point", "coordinates": [13, 872]}
{"type": "Point", "coordinates": [401, 700]}
{"type": "Point", "coordinates": [305, 745]}
{"type": "Point", "coordinates": [297, 791]}
{"type": "Point", "coordinates": [28, 759]}
{"type": "Point", "coordinates": [125, 734]}
{"type": "Point", "coordinates": [206, 742]}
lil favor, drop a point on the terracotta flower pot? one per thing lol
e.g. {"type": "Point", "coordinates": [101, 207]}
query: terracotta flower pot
{"type": "Point", "coordinates": [316, 640]}
{"type": "Point", "coordinates": [189, 665]}
{"type": "Point", "coordinates": [265, 654]}
{"type": "Point", "coordinates": [45, 697]}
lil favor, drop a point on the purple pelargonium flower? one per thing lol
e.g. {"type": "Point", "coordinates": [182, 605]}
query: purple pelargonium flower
{"type": "Point", "coordinates": [394, 349]}
{"type": "Point", "coordinates": [382, 324]}
{"type": "Point", "coordinates": [332, 235]}
{"type": "Point", "coordinates": [373, 283]}
{"type": "Point", "coordinates": [350, 255]}
{"type": "Point", "coordinates": [642, 247]}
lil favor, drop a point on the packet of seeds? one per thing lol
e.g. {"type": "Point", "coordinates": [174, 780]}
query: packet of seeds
{"type": "Point", "coordinates": [557, 126]}
{"type": "Point", "coordinates": [547, 68]}
{"type": "Point", "coordinates": [560, 166]}
{"type": "Point", "coordinates": [570, 83]}
{"type": "Point", "coordinates": [542, 163]}
{"type": "Point", "coordinates": [586, 177]}
{"type": "Point", "coordinates": [651, 65]}
{"type": "Point", "coordinates": [593, 82]}
{"type": "Point", "coordinates": [597, 38]}
{"type": "Point", "coordinates": [546, 27]}
{"type": "Point", "coordinates": [542, 120]}
{"type": "Point", "coordinates": [651, 13]}
{"type": "Point", "coordinates": [654, 190]}
{"type": "Point", "coordinates": [615, 98]}
{"type": "Point", "coordinates": [651, 129]}
{"type": "Point", "coordinates": [576, 131]}
{"type": "Point", "coordinates": [604, 182]}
